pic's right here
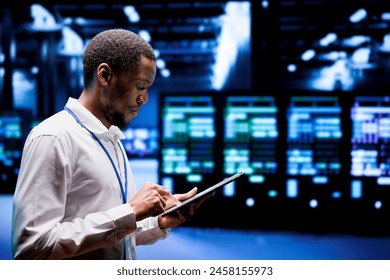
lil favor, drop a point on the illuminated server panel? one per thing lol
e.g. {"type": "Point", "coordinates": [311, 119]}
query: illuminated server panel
{"type": "Point", "coordinates": [370, 155]}
{"type": "Point", "coordinates": [187, 142]}
{"type": "Point", "coordinates": [250, 134]}
{"type": "Point", "coordinates": [141, 142]}
{"type": "Point", "coordinates": [10, 132]}
{"type": "Point", "coordinates": [313, 150]}
{"type": "Point", "coordinates": [10, 150]}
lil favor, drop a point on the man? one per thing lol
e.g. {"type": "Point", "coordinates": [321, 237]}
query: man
{"type": "Point", "coordinates": [75, 195]}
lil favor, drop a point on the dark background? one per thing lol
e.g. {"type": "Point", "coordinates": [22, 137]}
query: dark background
{"type": "Point", "coordinates": [216, 49]}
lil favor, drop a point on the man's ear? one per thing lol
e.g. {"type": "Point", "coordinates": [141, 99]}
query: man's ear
{"type": "Point", "coordinates": [104, 74]}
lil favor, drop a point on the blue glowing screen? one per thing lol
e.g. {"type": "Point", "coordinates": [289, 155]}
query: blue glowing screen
{"type": "Point", "coordinates": [10, 138]}
{"type": "Point", "coordinates": [250, 133]}
{"type": "Point", "coordinates": [301, 152]}
{"type": "Point", "coordinates": [370, 154]}
{"type": "Point", "coordinates": [10, 126]}
{"type": "Point", "coordinates": [188, 132]}
{"type": "Point", "coordinates": [313, 151]}
{"type": "Point", "coordinates": [140, 142]}
{"type": "Point", "coordinates": [313, 136]}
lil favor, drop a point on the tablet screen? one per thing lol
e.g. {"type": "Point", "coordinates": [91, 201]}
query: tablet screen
{"type": "Point", "coordinates": [203, 193]}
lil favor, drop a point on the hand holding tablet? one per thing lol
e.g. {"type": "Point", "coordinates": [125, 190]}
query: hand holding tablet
{"type": "Point", "coordinates": [202, 194]}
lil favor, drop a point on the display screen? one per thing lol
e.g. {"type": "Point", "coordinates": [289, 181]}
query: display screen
{"type": "Point", "coordinates": [10, 126]}
{"type": "Point", "coordinates": [313, 153]}
{"type": "Point", "coordinates": [370, 153]}
{"type": "Point", "coordinates": [370, 150]}
{"type": "Point", "coordinates": [302, 153]}
{"type": "Point", "coordinates": [11, 141]}
{"type": "Point", "coordinates": [10, 137]}
{"type": "Point", "coordinates": [140, 142]}
{"type": "Point", "coordinates": [250, 132]}
{"type": "Point", "coordinates": [187, 137]}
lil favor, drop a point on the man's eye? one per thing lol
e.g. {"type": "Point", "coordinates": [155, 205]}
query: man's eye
{"type": "Point", "coordinates": [140, 88]}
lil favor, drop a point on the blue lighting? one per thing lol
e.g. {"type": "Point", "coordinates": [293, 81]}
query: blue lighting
{"type": "Point", "coordinates": [194, 178]}
{"type": "Point", "coordinates": [361, 56]}
{"type": "Point", "coordinates": [384, 181]}
{"type": "Point", "coordinates": [24, 91]}
{"type": "Point", "coordinates": [160, 63]}
{"type": "Point", "coordinates": [314, 122]}
{"type": "Point", "coordinates": [250, 202]}
{"type": "Point", "coordinates": [356, 40]}
{"type": "Point", "coordinates": [72, 44]}
{"type": "Point", "coordinates": [272, 193]}
{"type": "Point", "coordinates": [356, 189]}
{"type": "Point", "coordinates": [308, 55]}
{"type": "Point", "coordinates": [167, 182]}
{"type": "Point", "coordinates": [188, 136]}
{"type": "Point", "coordinates": [43, 19]}
{"type": "Point", "coordinates": [385, 16]}
{"type": "Point", "coordinates": [292, 188]}
{"type": "Point", "coordinates": [34, 70]}
{"type": "Point", "coordinates": [257, 179]}
{"type": "Point", "coordinates": [10, 127]}
{"type": "Point", "coordinates": [165, 73]}
{"type": "Point", "coordinates": [229, 190]}
{"type": "Point", "coordinates": [250, 130]}
{"type": "Point", "coordinates": [328, 39]}
{"type": "Point", "coordinates": [235, 34]}
{"type": "Point", "coordinates": [359, 15]}
{"type": "Point", "coordinates": [320, 180]}
{"type": "Point", "coordinates": [292, 68]}
{"type": "Point", "coordinates": [313, 203]}
{"type": "Point", "coordinates": [378, 204]}
{"type": "Point", "coordinates": [336, 195]}
{"type": "Point", "coordinates": [370, 134]}
{"type": "Point", "coordinates": [146, 35]}
{"type": "Point", "coordinates": [131, 14]}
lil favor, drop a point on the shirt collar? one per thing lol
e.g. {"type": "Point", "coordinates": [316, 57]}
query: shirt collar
{"type": "Point", "coordinates": [91, 122]}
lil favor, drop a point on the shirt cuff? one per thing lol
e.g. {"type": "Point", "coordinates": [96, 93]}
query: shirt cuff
{"type": "Point", "coordinates": [124, 218]}
{"type": "Point", "coordinates": [165, 232]}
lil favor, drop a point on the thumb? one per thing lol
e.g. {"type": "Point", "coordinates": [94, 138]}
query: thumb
{"type": "Point", "coordinates": [187, 195]}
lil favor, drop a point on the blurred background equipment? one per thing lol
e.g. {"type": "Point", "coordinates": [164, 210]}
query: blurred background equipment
{"type": "Point", "coordinates": [295, 93]}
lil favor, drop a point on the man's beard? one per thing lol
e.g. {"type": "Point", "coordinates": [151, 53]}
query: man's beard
{"type": "Point", "coordinates": [118, 120]}
{"type": "Point", "coordinates": [113, 117]}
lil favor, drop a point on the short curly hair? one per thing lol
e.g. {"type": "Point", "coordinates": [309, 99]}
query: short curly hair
{"type": "Point", "coordinates": [121, 49]}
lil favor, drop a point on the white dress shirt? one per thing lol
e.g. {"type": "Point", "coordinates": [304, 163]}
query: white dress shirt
{"type": "Point", "coordinates": [68, 202]}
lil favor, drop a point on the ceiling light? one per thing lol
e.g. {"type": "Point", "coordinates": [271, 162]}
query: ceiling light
{"type": "Point", "coordinates": [131, 14]}
{"type": "Point", "coordinates": [359, 15]}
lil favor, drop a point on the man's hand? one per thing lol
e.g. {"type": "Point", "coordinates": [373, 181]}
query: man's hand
{"type": "Point", "coordinates": [181, 215]}
{"type": "Point", "coordinates": [151, 200]}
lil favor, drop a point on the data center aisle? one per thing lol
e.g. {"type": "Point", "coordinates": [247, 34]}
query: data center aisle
{"type": "Point", "coordinates": [199, 243]}
{"type": "Point", "coordinates": [218, 244]}
{"type": "Point", "coordinates": [187, 243]}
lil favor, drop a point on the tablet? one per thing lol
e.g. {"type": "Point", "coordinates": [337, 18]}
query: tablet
{"type": "Point", "coordinates": [203, 193]}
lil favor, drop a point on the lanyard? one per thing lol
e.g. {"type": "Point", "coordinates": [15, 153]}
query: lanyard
{"type": "Point", "coordinates": [123, 189]}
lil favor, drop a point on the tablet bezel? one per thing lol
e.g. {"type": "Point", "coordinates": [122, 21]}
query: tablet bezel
{"type": "Point", "coordinates": [203, 193]}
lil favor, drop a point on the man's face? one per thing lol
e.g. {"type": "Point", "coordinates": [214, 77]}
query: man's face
{"type": "Point", "coordinates": [125, 92]}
